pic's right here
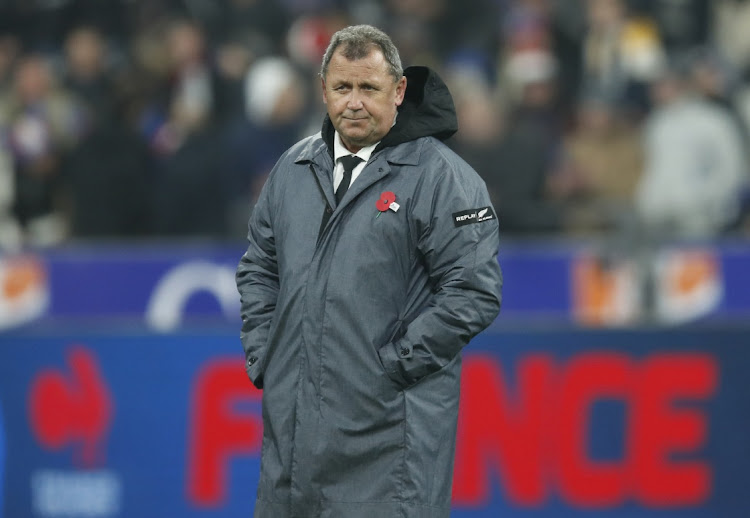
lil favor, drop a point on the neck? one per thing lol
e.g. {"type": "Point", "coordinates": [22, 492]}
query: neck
{"type": "Point", "coordinates": [352, 148]}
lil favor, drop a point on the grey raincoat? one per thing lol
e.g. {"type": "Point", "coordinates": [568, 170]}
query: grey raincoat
{"type": "Point", "coordinates": [354, 319]}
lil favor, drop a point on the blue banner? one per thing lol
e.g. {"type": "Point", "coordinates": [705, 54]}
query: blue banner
{"type": "Point", "coordinates": [555, 422]}
{"type": "Point", "coordinates": [167, 287]}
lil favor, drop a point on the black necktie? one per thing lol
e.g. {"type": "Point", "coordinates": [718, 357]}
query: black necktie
{"type": "Point", "coordinates": [349, 162]}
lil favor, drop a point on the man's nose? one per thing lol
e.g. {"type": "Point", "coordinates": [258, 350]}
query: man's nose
{"type": "Point", "coordinates": [355, 101]}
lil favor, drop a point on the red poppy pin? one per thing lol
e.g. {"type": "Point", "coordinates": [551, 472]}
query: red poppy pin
{"type": "Point", "coordinates": [386, 201]}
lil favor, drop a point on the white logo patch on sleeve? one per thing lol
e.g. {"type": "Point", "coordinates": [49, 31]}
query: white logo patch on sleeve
{"type": "Point", "coordinates": [479, 215]}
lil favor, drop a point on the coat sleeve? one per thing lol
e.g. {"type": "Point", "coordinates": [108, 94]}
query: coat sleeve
{"type": "Point", "coordinates": [461, 261]}
{"type": "Point", "coordinates": [258, 283]}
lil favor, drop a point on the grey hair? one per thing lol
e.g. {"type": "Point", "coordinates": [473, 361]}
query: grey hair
{"type": "Point", "coordinates": [357, 42]}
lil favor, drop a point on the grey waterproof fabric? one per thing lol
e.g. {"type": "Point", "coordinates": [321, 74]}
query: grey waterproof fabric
{"type": "Point", "coordinates": [354, 326]}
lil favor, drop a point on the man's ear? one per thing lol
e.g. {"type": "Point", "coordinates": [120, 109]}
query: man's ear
{"type": "Point", "coordinates": [400, 90]}
{"type": "Point", "coordinates": [323, 87]}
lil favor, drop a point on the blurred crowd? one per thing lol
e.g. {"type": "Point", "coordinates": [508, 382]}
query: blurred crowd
{"type": "Point", "coordinates": [162, 118]}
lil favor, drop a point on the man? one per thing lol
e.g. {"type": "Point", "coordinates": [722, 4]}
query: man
{"type": "Point", "coordinates": [355, 311]}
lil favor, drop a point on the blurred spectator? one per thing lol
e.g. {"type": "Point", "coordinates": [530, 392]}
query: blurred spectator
{"type": "Point", "coordinates": [275, 101]}
{"type": "Point", "coordinates": [42, 122]}
{"type": "Point", "coordinates": [184, 131]}
{"type": "Point", "coordinates": [731, 35]}
{"type": "Point", "coordinates": [109, 175]}
{"type": "Point", "coordinates": [10, 232]}
{"type": "Point", "coordinates": [535, 109]}
{"type": "Point", "coordinates": [710, 78]}
{"type": "Point", "coordinates": [682, 24]}
{"type": "Point", "coordinates": [427, 31]}
{"type": "Point", "coordinates": [194, 81]}
{"type": "Point", "coordinates": [511, 158]}
{"type": "Point", "coordinates": [604, 160]}
{"type": "Point", "coordinates": [274, 118]}
{"type": "Point", "coordinates": [149, 69]}
{"type": "Point", "coordinates": [526, 38]}
{"type": "Point", "coordinates": [308, 37]}
{"type": "Point", "coordinates": [10, 49]}
{"type": "Point", "coordinates": [568, 26]}
{"type": "Point", "coordinates": [260, 22]}
{"type": "Point", "coordinates": [695, 168]}
{"type": "Point", "coordinates": [233, 58]}
{"type": "Point", "coordinates": [621, 53]}
{"type": "Point", "coordinates": [189, 195]}
{"type": "Point", "coordinates": [264, 22]}
{"type": "Point", "coordinates": [193, 90]}
{"type": "Point", "coordinates": [86, 71]}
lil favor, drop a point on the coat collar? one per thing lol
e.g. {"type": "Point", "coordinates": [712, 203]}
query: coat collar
{"type": "Point", "coordinates": [315, 150]}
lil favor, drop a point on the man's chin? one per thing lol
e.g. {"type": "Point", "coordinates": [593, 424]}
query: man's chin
{"type": "Point", "coordinates": [355, 140]}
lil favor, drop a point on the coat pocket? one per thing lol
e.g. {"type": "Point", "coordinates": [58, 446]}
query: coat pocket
{"type": "Point", "coordinates": [390, 360]}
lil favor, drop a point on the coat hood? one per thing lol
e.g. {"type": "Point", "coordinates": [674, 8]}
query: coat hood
{"type": "Point", "coordinates": [427, 111]}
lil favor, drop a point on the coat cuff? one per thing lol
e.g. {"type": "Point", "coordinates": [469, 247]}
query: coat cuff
{"type": "Point", "coordinates": [395, 359]}
{"type": "Point", "coordinates": [254, 370]}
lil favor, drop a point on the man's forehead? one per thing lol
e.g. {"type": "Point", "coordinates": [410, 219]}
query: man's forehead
{"type": "Point", "coordinates": [374, 60]}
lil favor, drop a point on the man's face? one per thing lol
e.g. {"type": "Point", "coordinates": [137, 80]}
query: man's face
{"type": "Point", "coordinates": [361, 97]}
